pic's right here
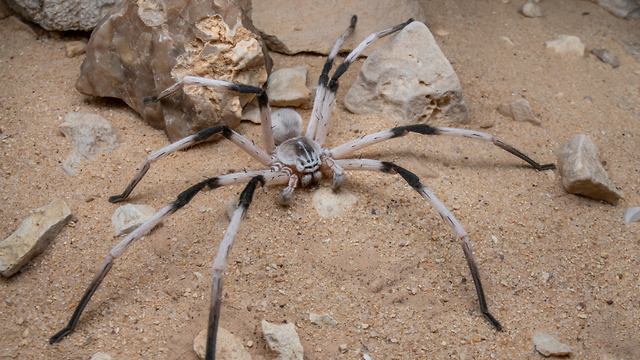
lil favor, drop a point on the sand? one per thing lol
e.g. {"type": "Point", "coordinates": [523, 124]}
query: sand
{"type": "Point", "coordinates": [388, 270]}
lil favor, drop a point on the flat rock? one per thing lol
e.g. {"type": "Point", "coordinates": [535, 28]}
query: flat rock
{"type": "Point", "coordinates": [228, 346]}
{"type": "Point", "coordinates": [531, 9]}
{"type": "Point", "coordinates": [288, 87]}
{"type": "Point", "coordinates": [146, 46]}
{"type": "Point", "coordinates": [582, 173]}
{"type": "Point", "coordinates": [298, 29]}
{"type": "Point", "coordinates": [606, 56]}
{"type": "Point", "coordinates": [283, 340]}
{"type": "Point", "coordinates": [33, 236]}
{"type": "Point", "coordinates": [631, 214]}
{"type": "Point", "coordinates": [90, 133]}
{"type": "Point", "coordinates": [409, 79]}
{"type": "Point", "coordinates": [64, 15]}
{"type": "Point", "coordinates": [329, 203]}
{"type": "Point", "coordinates": [567, 45]}
{"type": "Point", "coordinates": [128, 217]}
{"type": "Point", "coordinates": [621, 8]}
{"type": "Point", "coordinates": [322, 319]}
{"type": "Point", "coordinates": [519, 110]}
{"type": "Point", "coordinates": [547, 345]}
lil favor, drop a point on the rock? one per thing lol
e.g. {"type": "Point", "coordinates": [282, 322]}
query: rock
{"type": "Point", "coordinates": [409, 79]}
{"type": "Point", "coordinates": [343, 348]}
{"type": "Point", "coordinates": [101, 356]}
{"type": "Point", "coordinates": [322, 319]}
{"type": "Point", "coordinates": [90, 134]}
{"type": "Point", "coordinates": [518, 110]}
{"type": "Point", "coordinates": [298, 29]}
{"type": "Point", "coordinates": [567, 45]}
{"type": "Point", "coordinates": [5, 10]}
{"type": "Point", "coordinates": [631, 48]}
{"type": "Point", "coordinates": [606, 56]}
{"type": "Point", "coordinates": [288, 87]}
{"type": "Point", "coordinates": [547, 345]}
{"type": "Point", "coordinates": [284, 340]}
{"type": "Point", "coordinates": [228, 346]}
{"type": "Point", "coordinates": [329, 203]}
{"type": "Point", "coordinates": [286, 124]}
{"type": "Point", "coordinates": [251, 112]}
{"type": "Point", "coordinates": [582, 173]}
{"type": "Point", "coordinates": [64, 14]}
{"type": "Point", "coordinates": [631, 214]}
{"type": "Point", "coordinates": [128, 217]}
{"type": "Point", "coordinates": [531, 9]}
{"type": "Point", "coordinates": [75, 48]}
{"type": "Point", "coordinates": [21, 27]}
{"type": "Point", "coordinates": [33, 236]}
{"type": "Point", "coordinates": [146, 46]}
{"type": "Point", "coordinates": [620, 8]}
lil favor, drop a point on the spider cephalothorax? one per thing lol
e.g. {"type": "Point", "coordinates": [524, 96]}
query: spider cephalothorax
{"type": "Point", "coordinates": [293, 159]}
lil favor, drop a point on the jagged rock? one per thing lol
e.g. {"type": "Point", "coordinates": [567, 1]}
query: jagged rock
{"type": "Point", "coordinates": [621, 8]}
{"type": "Point", "coordinates": [547, 345]}
{"type": "Point", "coordinates": [408, 78]}
{"type": "Point", "coordinates": [582, 173]}
{"type": "Point", "coordinates": [284, 340]}
{"type": "Point", "coordinates": [606, 56]}
{"type": "Point", "coordinates": [322, 319]}
{"type": "Point", "coordinates": [288, 87]}
{"type": "Point", "coordinates": [90, 134]}
{"type": "Point", "coordinates": [518, 110]}
{"type": "Point", "coordinates": [531, 9]}
{"type": "Point", "coordinates": [64, 14]}
{"type": "Point", "coordinates": [293, 26]}
{"type": "Point", "coordinates": [146, 46]}
{"type": "Point", "coordinates": [329, 203]}
{"type": "Point", "coordinates": [228, 346]}
{"type": "Point", "coordinates": [128, 217]}
{"type": "Point", "coordinates": [33, 236]}
{"type": "Point", "coordinates": [567, 44]}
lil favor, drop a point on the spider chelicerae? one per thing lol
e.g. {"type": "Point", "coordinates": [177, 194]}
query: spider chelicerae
{"type": "Point", "coordinates": [292, 159]}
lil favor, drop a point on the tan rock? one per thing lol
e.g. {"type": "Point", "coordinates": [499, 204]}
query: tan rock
{"type": "Point", "coordinates": [567, 45]}
{"type": "Point", "coordinates": [228, 346]}
{"type": "Point", "coordinates": [518, 110]}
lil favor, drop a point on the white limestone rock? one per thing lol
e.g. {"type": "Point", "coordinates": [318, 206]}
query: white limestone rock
{"type": "Point", "coordinates": [518, 110]}
{"type": "Point", "coordinates": [531, 9]}
{"type": "Point", "coordinates": [128, 217]}
{"type": "Point", "coordinates": [409, 79]}
{"type": "Point", "coordinates": [547, 345]}
{"type": "Point", "coordinates": [283, 340]}
{"type": "Point", "coordinates": [314, 26]}
{"type": "Point", "coordinates": [288, 87]}
{"type": "Point", "coordinates": [228, 346]}
{"type": "Point", "coordinates": [90, 134]}
{"type": "Point", "coordinates": [33, 236]}
{"type": "Point", "coordinates": [64, 15]}
{"type": "Point", "coordinates": [582, 173]}
{"type": "Point", "coordinates": [567, 45]}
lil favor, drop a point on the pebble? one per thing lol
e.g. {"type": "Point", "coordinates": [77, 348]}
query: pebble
{"type": "Point", "coordinates": [582, 173]}
{"type": "Point", "coordinates": [288, 87]}
{"type": "Point", "coordinates": [75, 48]}
{"type": "Point", "coordinates": [128, 217]}
{"type": "Point", "coordinates": [284, 340]}
{"type": "Point", "coordinates": [518, 110]}
{"type": "Point", "coordinates": [343, 348]}
{"type": "Point", "coordinates": [322, 319]}
{"type": "Point", "coordinates": [531, 9]}
{"type": "Point", "coordinates": [567, 44]}
{"type": "Point", "coordinates": [101, 356]}
{"type": "Point", "coordinates": [606, 56]}
{"type": "Point", "coordinates": [329, 203]}
{"type": "Point", "coordinates": [228, 346]}
{"type": "Point", "coordinates": [90, 134]}
{"type": "Point", "coordinates": [631, 214]}
{"type": "Point", "coordinates": [547, 345]}
{"type": "Point", "coordinates": [33, 236]}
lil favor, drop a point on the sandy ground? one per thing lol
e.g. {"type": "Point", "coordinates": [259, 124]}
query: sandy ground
{"type": "Point", "coordinates": [551, 261]}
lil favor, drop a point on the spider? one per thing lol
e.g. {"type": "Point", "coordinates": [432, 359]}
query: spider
{"type": "Point", "coordinates": [292, 159]}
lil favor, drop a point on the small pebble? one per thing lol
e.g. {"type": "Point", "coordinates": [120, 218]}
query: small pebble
{"type": "Point", "coordinates": [249, 343]}
{"type": "Point", "coordinates": [343, 348]}
{"type": "Point", "coordinates": [606, 56]}
{"type": "Point", "coordinates": [631, 214]}
{"type": "Point", "coordinates": [531, 9]}
{"type": "Point", "coordinates": [101, 356]}
{"type": "Point", "coordinates": [547, 345]}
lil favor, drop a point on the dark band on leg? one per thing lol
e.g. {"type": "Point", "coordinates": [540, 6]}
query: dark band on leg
{"type": "Point", "coordinates": [214, 317]}
{"type": "Point", "coordinates": [247, 194]}
{"type": "Point", "coordinates": [522, 156]}
{"type": "Point", "coordinates": [412, 179]}
{"type": "Point", "coordinates": [420, 129]}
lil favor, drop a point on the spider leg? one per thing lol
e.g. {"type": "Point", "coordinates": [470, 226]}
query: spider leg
{"type": "Point", "coordinates": [146, 227]}
{"type": "Point", "coordinates": [286, 195]}
{"type": "Point", "coordinates": [332, 87]}
{"type": "Point", "coordinates": [220, 263]}
{"type": "Point", "coordinates": [324, 79]}
{"type": "Point", "coordinates": [263, 100]}
{"type": "Point", "coordinates": [457, 229]}
{"type": "Point", "coordinates": [352, 146]}
{"type": "Point", "coordinates": [191, 140]}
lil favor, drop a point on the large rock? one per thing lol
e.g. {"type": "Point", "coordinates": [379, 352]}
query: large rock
{"type": "Point", "coordinates": [582, 173]}
{"type": "Point", "coordinates": [283, 340]}
{"type": "Point", "coordinates": [293, 26]}
{"type": "Point", "coordinates": [33, 236]}
{"type": "Point", "coordinates": [146, 46]}
{"type": "Point", "coordinates": [408, 78]}
{"type": "Point", "coordinates": [64, 14]}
